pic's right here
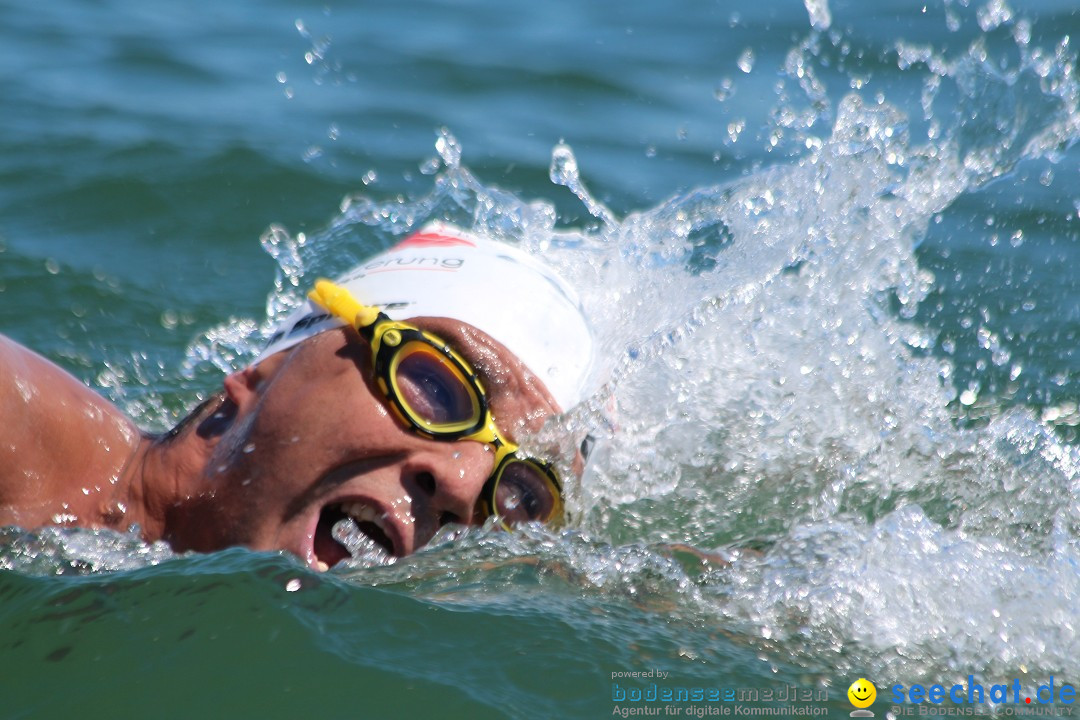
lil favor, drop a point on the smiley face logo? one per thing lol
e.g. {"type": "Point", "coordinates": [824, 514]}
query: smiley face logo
{"type": "Point", "coordinates": [862, 693]}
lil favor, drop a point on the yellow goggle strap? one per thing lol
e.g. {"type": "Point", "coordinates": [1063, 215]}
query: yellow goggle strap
{"type": "Point", "coordinates": [340, 303]}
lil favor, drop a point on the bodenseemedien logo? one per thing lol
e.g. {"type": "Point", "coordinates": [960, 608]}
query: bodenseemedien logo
{"type": "Point", "coordinates": [862, 694]}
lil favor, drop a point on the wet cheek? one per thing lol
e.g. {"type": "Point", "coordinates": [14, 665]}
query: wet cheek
{"type": "Point", "coordinates": [245, 469]}
{"type": "Point", "coordinates": [238, 437]}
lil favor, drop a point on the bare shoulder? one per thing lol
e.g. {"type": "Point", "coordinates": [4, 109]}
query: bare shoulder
{"type": "Point", "coordinates": [59, 439]}
{"type": "Point", "coordinates": [21, 373]}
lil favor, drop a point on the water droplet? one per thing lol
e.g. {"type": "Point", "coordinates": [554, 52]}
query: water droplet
{"type": "Point", "coordinates": [1022, 32]}
{"type": "Point", "coordinates": [734, 129]}
{"type": "Point", "coordinates": [746, 60]}
{"type": "Point", "coordinates": [429, 166]}
{"type": "Point", "coordinates": [564, 168]}
{"type": "Point", "coordinates": [952, 20]}
{"type": "Point", "coordinates": [724, 90]}
{"type": "Point", "coordinates": [993, 15]}
{"type": "Point", "coordinates": [820, 17]}
{"type": "Point", "coordinates": [449, 148]}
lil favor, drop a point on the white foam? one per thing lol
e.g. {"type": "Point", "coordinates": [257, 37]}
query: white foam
{"type": "Point", "coordinates": [770, 386]}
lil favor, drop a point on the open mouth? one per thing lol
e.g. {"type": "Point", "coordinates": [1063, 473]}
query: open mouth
{"type": "Point", "coordinates": [348, 528]}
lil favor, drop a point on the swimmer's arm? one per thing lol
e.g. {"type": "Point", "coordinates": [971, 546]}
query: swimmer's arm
{"type": "Point", "coordinates": [18, 368]}
{"type": "Point", "coordinates": [56, 435]}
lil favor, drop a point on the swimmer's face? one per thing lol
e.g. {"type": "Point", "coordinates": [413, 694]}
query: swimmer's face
{"type": "Point", "coordinates": [313, 440]}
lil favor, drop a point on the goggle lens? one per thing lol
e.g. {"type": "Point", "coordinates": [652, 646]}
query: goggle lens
{"type": "Point", "coordinates": [432, 389]}
{"type": "Point", "coordinates": [525, 491]}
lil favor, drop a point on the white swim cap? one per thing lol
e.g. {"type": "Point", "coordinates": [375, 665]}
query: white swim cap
{"type": "Point", "coordinates": [444, 271]}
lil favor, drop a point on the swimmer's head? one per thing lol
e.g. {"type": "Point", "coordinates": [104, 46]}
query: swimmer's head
{"type": "Point", "coordinates": [444, 271]}
{"type": "Point", "coordinates": [306, 442]}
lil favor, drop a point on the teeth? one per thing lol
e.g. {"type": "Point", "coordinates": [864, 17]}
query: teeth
{"type": "Point", "coordinates": [321, 566]}
{"type": "Point", "coordinates": [361, 512]}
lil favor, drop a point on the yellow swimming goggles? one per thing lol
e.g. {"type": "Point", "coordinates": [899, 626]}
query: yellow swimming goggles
{"type": "Point", "coordinates": [437, 394]}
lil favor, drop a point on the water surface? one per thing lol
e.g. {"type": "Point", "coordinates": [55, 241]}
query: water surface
{"type": "Point", "coordinates": [828, 249]}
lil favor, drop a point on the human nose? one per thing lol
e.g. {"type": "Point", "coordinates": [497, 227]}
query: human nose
{"type": "Point", "coordinates": [446, 479]}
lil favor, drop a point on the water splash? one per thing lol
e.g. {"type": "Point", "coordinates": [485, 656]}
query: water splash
{"type": "Point", "coordinates": [365, 552]}
{"type": "Point", "coordinates": [564, 171]}
{"type": "Point", "coordinates": [768, 385]}
{"type": "Point", "coordinates": [77, 551]}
